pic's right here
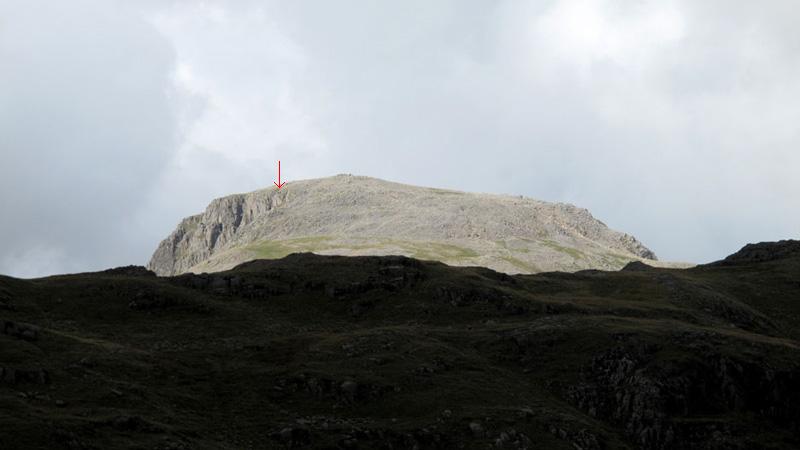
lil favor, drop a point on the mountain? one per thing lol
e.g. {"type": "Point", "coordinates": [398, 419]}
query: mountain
{"type": "Point", "coordinates": [352, 215]}
{"type": "Point", "coordinates": [335, 352]}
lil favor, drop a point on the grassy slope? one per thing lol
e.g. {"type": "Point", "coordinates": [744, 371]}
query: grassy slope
{"type": "Point", "coordinates": [231, 360]}
{"type": "Point", "coordinates": [520, 258]}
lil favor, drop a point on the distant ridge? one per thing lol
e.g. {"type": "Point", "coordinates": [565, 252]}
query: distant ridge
{"type": "Point", "coordinates": [356, 215]}
{"type": "Point", "coordinates": [762, 251]}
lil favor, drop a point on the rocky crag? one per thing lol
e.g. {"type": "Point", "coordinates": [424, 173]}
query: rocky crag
{"type": "Point", "coordinates": [353, 215]}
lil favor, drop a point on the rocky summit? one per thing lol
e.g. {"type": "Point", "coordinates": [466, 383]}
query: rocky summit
{"type": "Point", "coordinates": [354, 215]}
{"type": "Point", "coordinates": [388, 352]}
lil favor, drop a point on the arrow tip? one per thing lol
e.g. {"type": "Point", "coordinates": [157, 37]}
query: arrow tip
{"type": "Point", "coordinates": [279, 185]}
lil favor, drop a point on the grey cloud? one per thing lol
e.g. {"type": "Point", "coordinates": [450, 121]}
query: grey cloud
{"type": "Point", "coordinates": [86, 128]}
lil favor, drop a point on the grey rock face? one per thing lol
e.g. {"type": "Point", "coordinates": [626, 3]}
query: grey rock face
{"type": "Point", "coordinates": [351, 215]}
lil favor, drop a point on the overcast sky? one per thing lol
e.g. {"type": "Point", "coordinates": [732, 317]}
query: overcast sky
{"type": "Point", "coordinates": [675, 121]}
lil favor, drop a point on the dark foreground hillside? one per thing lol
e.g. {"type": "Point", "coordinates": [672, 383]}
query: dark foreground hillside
{"type": "Point", "coordinates": [390, 352]}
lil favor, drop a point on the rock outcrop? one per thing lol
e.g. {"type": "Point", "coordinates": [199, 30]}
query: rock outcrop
{"type": "Point", "coordinates": [352, 215]}
{"type": "Point", "coordinates": [762, 251]}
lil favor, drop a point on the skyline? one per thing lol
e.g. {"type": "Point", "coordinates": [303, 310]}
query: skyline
{"type": "Point", "coordinates": [671, 121]}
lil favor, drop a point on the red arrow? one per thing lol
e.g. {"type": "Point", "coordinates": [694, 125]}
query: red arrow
{"type": "Point", "coordinates": [279, 184]}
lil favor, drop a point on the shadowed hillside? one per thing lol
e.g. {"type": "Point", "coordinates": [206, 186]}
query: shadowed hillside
{"type": "Point", "coordinates": [390, 352]}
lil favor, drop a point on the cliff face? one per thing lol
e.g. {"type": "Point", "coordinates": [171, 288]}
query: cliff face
{"type": "Point", "coordinates": [352, 215]}
{"type": "Point", "coordinates": [198, 238]}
